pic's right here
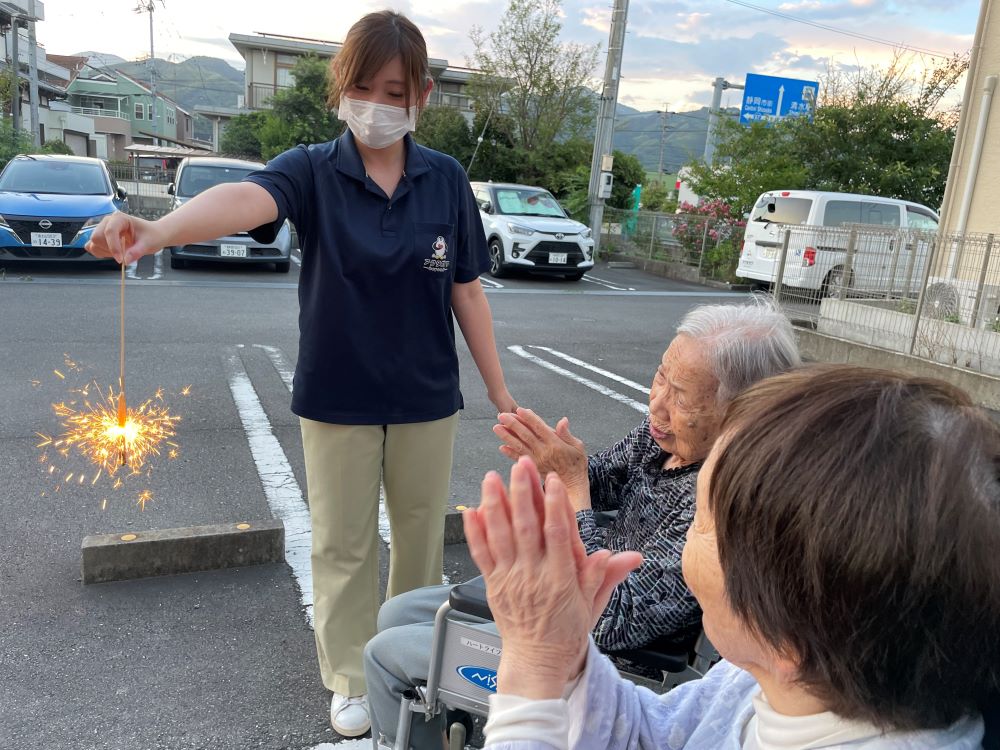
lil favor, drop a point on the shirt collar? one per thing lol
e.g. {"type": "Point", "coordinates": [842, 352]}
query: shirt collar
{"type": "Point", "coordinates": [349, 160]}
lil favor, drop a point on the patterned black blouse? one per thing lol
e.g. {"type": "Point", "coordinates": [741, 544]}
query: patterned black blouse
{"type": "Point", "coordinates": [655, 508]}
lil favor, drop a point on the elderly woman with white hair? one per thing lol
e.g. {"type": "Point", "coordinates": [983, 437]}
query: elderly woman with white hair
{"type": "Point", "coordinates": [648, 477]}
{"type": "Point", "coordinates": [843, 552]}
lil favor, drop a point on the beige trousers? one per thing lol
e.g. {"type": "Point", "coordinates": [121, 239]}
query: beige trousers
{"type": "Point", "coordinates": [345, 464]}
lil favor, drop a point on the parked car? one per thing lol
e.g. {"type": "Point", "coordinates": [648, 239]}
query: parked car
{"type": "Point", "coordinates": [528, 230]}
{"type": "Point", "coordinates": [816, 259]}
{"type": "Point", "coordinates": [49, 205]}
{"type": "Point", "coordinates": [197, 174]}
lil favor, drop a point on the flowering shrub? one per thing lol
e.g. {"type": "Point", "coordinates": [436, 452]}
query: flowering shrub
{"type": "Point", "coordinates": [721, 242]}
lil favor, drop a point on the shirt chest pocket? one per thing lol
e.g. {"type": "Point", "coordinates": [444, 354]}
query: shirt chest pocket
{"type": "Point", "coordinates": [434, 248]}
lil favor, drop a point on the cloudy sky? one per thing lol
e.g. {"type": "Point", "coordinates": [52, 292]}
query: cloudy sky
{"type": "Point", "coordinates": [673, 50]}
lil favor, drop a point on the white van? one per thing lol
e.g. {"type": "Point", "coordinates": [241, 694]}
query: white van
{"type": "Point", "coordinates": [884, 260]}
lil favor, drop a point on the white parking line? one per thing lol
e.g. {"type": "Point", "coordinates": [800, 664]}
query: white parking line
{"type": "Point", "coordinates": [280, 486]}
{"type": "Point", "coordinates": [287, 373]}
{"type": "Point", "coordinates": [593, 368]}
{"type": "Point", "coordinates": [609, 392]}
{"type": "Point", "coordinates": [490, 283]}
{"type": "Point", "coordinates": [606, 283]}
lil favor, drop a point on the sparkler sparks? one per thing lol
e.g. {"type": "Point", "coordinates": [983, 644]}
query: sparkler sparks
{"type": "Point", "coordinates": [111, 435]}
{"type": "Point", "coordinates": [99, 427]}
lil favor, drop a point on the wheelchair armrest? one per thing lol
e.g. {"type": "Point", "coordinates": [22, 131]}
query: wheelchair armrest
{"type": "Point", "coordinates": [470, 598]}
{"type": "Point", "coordinates": [666, 653]}
{"type": "Point", "coordinates": [660, 660]}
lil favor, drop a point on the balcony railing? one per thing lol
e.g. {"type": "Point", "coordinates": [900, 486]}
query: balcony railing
{"type": "Point", "coordinates": [261, 95]}
{"type": "Point", "coordinates": [98, 112]}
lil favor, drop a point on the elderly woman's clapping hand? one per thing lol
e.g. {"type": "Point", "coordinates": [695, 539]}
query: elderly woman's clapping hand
{"type": "Point", "coordinates": [544, 590]}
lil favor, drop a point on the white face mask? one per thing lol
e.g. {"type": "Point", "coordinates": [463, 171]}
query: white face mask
{"type": "Point", "coordinates": [376, 125]}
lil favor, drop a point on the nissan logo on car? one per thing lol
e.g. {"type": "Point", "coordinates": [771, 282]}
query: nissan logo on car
{"type": "Point", "coordinates": [45, 224]}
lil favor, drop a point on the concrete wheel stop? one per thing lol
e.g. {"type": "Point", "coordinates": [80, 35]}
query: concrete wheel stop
{"type": "Point", "coordinates": [161, 552]}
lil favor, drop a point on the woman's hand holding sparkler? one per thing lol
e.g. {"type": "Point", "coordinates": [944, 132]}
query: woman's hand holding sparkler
{"type": "Point", "coordinates": [125, 238]}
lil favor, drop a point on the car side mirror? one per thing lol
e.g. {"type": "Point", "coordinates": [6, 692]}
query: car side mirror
{"type": "Point", "coordinates": [486, 207]}
{"type": "Point", "coordinates": [122, 195]}
{"type": "Point", "coordinates": [170, 189]}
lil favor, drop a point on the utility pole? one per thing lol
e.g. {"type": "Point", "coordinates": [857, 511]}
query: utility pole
{"type": "Point", "coordinates": [606, 118]}
{"type": "Point", "coordinates": [15, 69]}
{"type": "Point", "coordinates": [36, 129]}
{"type": "Point", "coordinates": [663, 134]}
{"type": "Point", "coordinates": [718, 85]}
{"type": "Point", "coordinates": [148, 6]}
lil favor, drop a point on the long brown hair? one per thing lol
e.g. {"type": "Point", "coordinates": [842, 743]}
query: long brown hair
{"type": "Point", "coordinates": [370, 44]}
{"type": "Point", "coordinates": [857, 514]}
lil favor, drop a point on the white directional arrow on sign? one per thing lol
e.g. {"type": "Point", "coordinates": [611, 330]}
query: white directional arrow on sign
{"type": "Point", "coordinates": [781, 95]}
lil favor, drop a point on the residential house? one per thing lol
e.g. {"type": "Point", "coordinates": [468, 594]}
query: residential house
{"type": "Point", "coordinates": [47, 75]}
{"type": "Point", "coordinates": [123, 109]}
{"type": "Point", "coordinates": [270, 59]}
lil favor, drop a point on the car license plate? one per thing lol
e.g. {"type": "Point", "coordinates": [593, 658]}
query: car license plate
{"type": "Point", "coordinates": [46, 239]}
{"type": "Point", "coordinates": [769, 253]}
{"type": "Point", "coordinates": [558, 257]}
{"type": "Point", "coordinates": [233, 251]}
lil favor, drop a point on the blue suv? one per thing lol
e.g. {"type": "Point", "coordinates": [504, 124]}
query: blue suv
{"type": "Point", "coordinates": [49, 205]}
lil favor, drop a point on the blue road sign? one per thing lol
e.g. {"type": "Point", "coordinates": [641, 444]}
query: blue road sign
{"type": "Point", "coordinates": [769, 98]}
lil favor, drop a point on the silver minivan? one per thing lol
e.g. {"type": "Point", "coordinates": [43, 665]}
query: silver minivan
{"type": "Point", "coordinates": [817, 252]}
{"type": "Point", "coordinates": [195, 175]}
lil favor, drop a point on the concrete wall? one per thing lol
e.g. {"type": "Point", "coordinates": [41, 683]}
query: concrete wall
{"type": "Point", "coordinates": [984, 389]}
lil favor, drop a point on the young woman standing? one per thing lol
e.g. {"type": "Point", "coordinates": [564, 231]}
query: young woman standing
{"type": "Point", "coordinates": [392, 247]}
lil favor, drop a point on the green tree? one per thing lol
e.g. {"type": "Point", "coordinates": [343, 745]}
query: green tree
{"type": "Point", "coordinates": [656, 197]}
{"type": "Point", "coordinates": [241, 137]}
{"type": "Point", "coordinates": [528, 74]}
{"type": "Point", "coordinates": [299, 114]}
{"type": "Point", "coordinates": [748, 161]}
{"type": "Point", "coordinates": [445, 129]}
{"type": "Point", "coordinates": [56, 147]}
{"type": "Point", "coordinates": [13, 142]}
{"type": "Point", "coordinates": [627, 172]}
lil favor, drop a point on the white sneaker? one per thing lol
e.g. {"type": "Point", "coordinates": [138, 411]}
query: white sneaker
{"type": "Point", "coordinates": [349, 716]}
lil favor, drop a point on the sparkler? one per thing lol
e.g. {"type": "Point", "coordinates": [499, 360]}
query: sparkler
{"type": "Point", "coordinates": [106, 431]}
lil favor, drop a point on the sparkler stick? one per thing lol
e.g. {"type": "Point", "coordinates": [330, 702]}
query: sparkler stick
{"type": "Point", "coordinates": [122, 408]}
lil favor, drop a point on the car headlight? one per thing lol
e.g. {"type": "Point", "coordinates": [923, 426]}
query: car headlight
{"type": "Point", "coordinates": [518, 229]}
{"type": "Point", "coordinates": [586, 233]}
{"type": "Point", "coordinates": [92, 222]}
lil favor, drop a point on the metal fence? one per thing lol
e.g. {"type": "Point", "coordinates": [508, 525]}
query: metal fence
{"type": "Point", "coordinates": [146, 188]}
{"type": "Point", "coordinates": [697, 247]}
{"type": "Point", "coordinates": [929, 294]}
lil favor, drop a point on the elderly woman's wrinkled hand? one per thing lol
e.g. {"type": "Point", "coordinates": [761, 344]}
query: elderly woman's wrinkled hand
{"type": "Point", "coordinates": [524, 433]}
{"type": "Point", "coordinates": [545, 592]}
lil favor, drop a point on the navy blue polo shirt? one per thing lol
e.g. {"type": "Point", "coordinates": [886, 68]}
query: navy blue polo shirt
{"type": "Point", "coordinates": [376, 333]}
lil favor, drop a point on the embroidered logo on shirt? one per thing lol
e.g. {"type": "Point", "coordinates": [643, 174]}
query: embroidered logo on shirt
{"type": "Point", "coordinates": [439, 257]}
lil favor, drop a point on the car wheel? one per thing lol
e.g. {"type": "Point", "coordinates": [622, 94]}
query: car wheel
{"type": "Point", "coordinates": [575, 276]}
{"type": "Point", "coordinates": [498, 269]}
{"type": "Point", "coordinates": [282, 266]}
{"type": "Point", "coordinates": [178, 263]}
{"type": "Point", "coordinates": [834, 281]}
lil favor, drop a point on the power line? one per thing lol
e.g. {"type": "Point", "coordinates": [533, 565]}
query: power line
{"type": "Point", "coordinates": [835, 30]}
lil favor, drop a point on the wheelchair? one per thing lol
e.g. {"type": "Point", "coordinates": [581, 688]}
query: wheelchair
{"type": "Point", "coordinates": [465, 659]}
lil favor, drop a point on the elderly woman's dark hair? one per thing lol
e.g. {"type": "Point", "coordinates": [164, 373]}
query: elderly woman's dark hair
{"type": "Point", "coordinates": [857, 513]}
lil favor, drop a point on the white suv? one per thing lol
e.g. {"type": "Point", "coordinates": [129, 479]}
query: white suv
{"type": "Point", "coordinates": [527, 229]}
